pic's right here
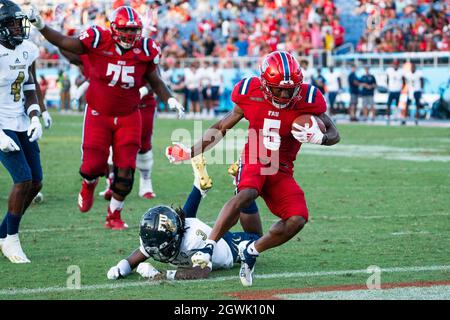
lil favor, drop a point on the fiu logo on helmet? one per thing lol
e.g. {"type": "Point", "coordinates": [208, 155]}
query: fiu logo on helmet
{"type": "Point", "coordinates": [165, 224]}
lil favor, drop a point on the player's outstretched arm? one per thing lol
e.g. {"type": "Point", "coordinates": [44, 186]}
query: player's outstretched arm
{"type": "Point", "coordinates": [217, 131]}
{"type": "Point", "coordinates": [188, 273]}
{"type": "Point", "coordinates": [211, 137]}
{"type": "Point", "coordinates": [32, 107]}
{"type": "Point", "coordinates": [331, 136]}
{"type": "Point", "coordinates": [56, 38]}
{"type": "Point", "coordinates": [163, 92]}
{"type": "Point", "coordinates": [48, 121]}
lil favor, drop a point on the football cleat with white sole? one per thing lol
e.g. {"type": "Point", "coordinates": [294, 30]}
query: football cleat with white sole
{"type": "Point", "coordinates": [202, 180]}
{"type": "Point", "coordinates": [146, 189]}
{"type": "Point", "coordinates": [86, 195]}
{"type": "Point", "coordinates": [12, 249]}
{"type": "Point", "coordinates": [203, 257]}
{"type": "Point", "coordinates": [233, 169]}
{"type": "Point", "coordinates": [248, 262]}
{"type": "Point", "coordinates": [39, 198]}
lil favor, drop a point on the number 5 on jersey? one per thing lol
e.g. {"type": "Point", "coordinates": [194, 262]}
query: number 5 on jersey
{"type": "Point", "coordinates": [123, 72]}
{"type": "Point", "coordinates": [272, 139]}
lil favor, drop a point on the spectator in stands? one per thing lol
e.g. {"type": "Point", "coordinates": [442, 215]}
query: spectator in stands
{"type": "Point", "coordinates": [395, 82]}
{"type": "Point", "coordinates": [242, 45]}
{"type": "Point", "coordinates": [334, 85]}
{"type": "Point", "coordinates": [368, 84]}
{"type": "Point", "coordinates": [353, 83]}
{"type": "Point", "coordinates": [209, 45]}
{"type": "Point", "coordinates": [416, 83]}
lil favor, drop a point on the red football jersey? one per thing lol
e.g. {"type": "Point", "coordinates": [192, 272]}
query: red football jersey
{"type": "Point", "coordinates": [116, 76]}
{"type": "Point", "coordinates": [267, 122]}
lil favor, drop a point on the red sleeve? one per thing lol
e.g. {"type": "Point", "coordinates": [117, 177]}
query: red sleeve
{"type": "Point", "coordinates": [152, 53]}
{"type": "Point", "coordinates": [313, 101]}
{"type": "Point", "coordinates": [235, 94]}
{"type": "Point", "coordinates": [91, 38]}
{"type": "Point", "coordinates": [320, 104]}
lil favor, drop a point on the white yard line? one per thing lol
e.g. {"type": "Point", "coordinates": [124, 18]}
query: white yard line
{"type": "Point", "coordinates": [130, 284]}
{"type": "Point", "coordinates": [334, 217]}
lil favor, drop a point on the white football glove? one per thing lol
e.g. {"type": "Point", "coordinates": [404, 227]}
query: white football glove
{"type": "Point", "coordinates": [113, 273]}
{"type": "Point", "coordinates": [175, 105]}
{"type": "Point", "coordinates": [48, 121]}
{"type": "Point", "coordinates": [7, 144]}
{"type": "Point", "coordinates": [35, 18]}
{"type": "Point", "coordinates": [308, 135]}
{"type": "Point", "coordinates": [35, 129]}
{"type": "Point", "coordinates": [143, 91]}
{"type": "Point", "coordinates": [81, 90]}
{"type": "Point", "coordinates": [146, 270]}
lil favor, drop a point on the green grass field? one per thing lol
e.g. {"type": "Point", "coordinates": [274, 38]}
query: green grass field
{"type": "Point", "coordinates": [381, 197]}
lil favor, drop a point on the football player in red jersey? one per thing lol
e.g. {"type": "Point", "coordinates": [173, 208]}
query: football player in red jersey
{"type": "Point", "coordinates": [270, 103]}
{"type": "Point", "coordinates": [124, 61]}
{"type": "Point", "coordinates": [147, 108]}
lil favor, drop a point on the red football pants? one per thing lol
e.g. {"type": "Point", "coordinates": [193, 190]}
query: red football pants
{"type": "Point", "coordinates": [147, 119]}
{"type": "Point", "coordinates": [280, 191]}
{"type": "Point", "coordinates": [100, 132]}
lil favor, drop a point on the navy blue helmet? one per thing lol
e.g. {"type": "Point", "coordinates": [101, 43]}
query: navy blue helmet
{"type": "Point", "coordinates": [14, 24]}
{"type": "Point", "coordinates": [161, 232]}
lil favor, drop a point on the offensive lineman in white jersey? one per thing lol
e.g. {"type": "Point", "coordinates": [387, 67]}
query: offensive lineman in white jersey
{"type": "Point", "coordinates": [20, 127]}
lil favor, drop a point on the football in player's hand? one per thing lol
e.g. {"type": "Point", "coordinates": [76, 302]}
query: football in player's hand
{"type": "Point", "coordinates": [305, 121]}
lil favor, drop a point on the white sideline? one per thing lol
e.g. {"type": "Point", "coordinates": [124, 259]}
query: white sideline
{"type": "Point", "coordinates": [121, 285]}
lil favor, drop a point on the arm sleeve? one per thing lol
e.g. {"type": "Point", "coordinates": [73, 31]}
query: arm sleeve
{"type": "Point", "coordinates": [153, 53]}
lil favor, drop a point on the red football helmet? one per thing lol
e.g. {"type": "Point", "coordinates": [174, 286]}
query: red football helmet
{"type": "Point", "coordinates": [126, 26]}
{"type": "Point", "coordinates": [281, 78]}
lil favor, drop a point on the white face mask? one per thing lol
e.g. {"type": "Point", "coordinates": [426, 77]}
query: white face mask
{"type": "Point", "coordinates": [278, 105]}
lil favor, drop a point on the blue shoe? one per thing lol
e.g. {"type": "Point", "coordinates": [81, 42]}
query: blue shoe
{"type": "Point", "coordinates": [248, 262]}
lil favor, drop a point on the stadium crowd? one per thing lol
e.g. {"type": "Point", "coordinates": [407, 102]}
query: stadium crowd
{"type": "Point", "coordinates": [397, 26]}
{"type": "Point", "coordinates": [215, 28]}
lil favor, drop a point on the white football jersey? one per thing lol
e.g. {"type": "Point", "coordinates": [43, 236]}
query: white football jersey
{"type": "Point", "coordinates": [194, 238]}
{"type": "Point", "coordinates": [395, 79]}
{"type": "Point", "coordinates": [14, 66]}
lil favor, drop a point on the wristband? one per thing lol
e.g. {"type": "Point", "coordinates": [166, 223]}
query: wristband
{"type": "Point", "coordinates": [33, 107]}
{"type": "Point", "coordinates": [170, 274]}
{"type": "Point", "coordinates": [29, 87]}
{"type": "Point", "coordinates": [124, 267]}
